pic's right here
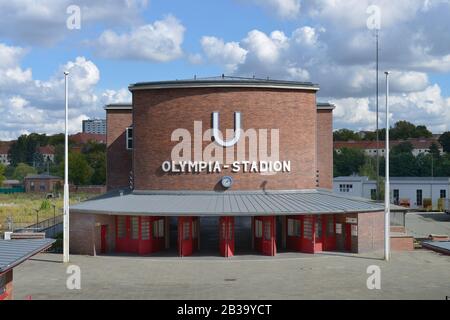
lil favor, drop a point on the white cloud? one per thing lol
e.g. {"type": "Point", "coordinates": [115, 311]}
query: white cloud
{"type": "Point", "coordinates": [336, 50]}
{"type": "Point", "coordinates": [286, 9]}
{"type": "Point", "coordinates": [160, 41]}
{"type": "Point", "coordinates": [43, 22]}
{"type": "Point", "coordinates": [229, 54]}
{"type": "Point", "coordinates": [32, 105]}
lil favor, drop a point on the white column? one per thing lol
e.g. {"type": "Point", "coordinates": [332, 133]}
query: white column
{"type": "Point", "coordinates": [66, 176]}
{"type": "Point", "coordinates": [387, 192]}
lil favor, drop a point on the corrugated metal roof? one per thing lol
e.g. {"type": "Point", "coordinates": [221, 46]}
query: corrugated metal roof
{"type": "Point", "coordinates": [14, 252]}
{"type": "Point", "coordinates": [226, 203]}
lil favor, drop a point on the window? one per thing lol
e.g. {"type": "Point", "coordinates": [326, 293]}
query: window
{"type": "Point", "coordinates": [158, 228]}
{"type": "Point", "coordinates": [443, 194]}
{"type": "Point", "coordinates": [42, 187]}
{"type": "Point", "coordinates": [194, 229]}
{"type": "Point", "coordinates": [293, 228]}
{"type": "Point", "coordinates": [373, 194]}
{"type": "Point", "coordinates": [318, 227]}
{"type": "Point", "coordinates": [161, 227]}
{"type": "Point", "coordinates": [258, 228]}
{"type": "Point", "coordinates": [396, 196]}
{"type": "Point", "coordinates": [186, 235]}
{"type": "Point", "coordinates": [134, 228]}
{"type": "Point", "coordinates": [267, 231]}
{"type": "Point", "coordinates": [121, 227]}
{"type": "Point", "coordinates": [145, 228]}
{"type": "Point", "coordinates": [330, 226]}
{"type": "Point", "coordinates": [345, 187]}
{"type": "Point", "coordinates": [129, 138]}
{"type": "Point", "coordinates": [32, 185]}
{"type": "Point", "coordinates": [307, 228]}
{"type": "Point", "coordinates": [419, 197]}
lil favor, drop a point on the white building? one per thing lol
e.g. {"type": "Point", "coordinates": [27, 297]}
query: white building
{"type": "Point", "coordinates": [407, 191]}
{"type": "Point", "coordinates": [97, 126]}
{"type": "Point", "coordinates": [420, 146]}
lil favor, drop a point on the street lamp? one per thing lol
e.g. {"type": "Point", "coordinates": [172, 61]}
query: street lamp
{"type": "Point", "coordinates": [387, 200]}
{"type": "Point", "coordinates": [54, 219]}
{"type": "Point", "coordinates": [66, 174]}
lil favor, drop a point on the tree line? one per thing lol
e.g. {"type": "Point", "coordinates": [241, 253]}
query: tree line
{"type": "Point", "coordinates": [87, 162]}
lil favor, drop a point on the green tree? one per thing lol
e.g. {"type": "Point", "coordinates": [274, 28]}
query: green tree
{"type": "Point", "coordinates": [348, 161]}
{"type": "Point", "coordinates": [345, 135]}
{"type": "Point", "coordinates": [22, 170]}
{"type": "Point", "coordinates": [444, 140]}
{"type": "Point", "coordinates": [403, 147]}
{"type": "Point", "coordinates": [2, 174]}
{"type": "Point", "coordinates": [80, 172]}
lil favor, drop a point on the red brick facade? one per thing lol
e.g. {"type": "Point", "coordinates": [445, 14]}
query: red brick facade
{"type": "Point", "coordinates": [325, 148]}
{"type": "Point", "coordinates": [85, 233]}
{"type": "Point", "coordinates": [118, 166]}
{"type": "Point", "coordinates": [157, 113]}
{"type": "Point", "coordinates": [6, 285]}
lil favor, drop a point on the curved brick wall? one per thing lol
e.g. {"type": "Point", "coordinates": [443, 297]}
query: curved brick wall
{"type": "Point", "coordinates": [156, 113]}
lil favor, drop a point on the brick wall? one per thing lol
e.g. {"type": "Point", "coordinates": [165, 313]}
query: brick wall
{"type": "Point", "coordinates": [157, 113]}
{"type": "Point", "coordinates": [49, 184]}
{"type": "Point", "coordinates": [325, 148]}
{"type": "Point", "coordinates": [85, 236]}
{"type": "Point", "coordinates": [370, 232]}
{"type": "Point", "coordinates": [402, 243]}
{"type": "Point", "coordinates": [118, 163]}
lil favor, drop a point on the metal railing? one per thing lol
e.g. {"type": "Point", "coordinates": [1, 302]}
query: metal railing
{"type": "Point", "coordinates": [43, 225]}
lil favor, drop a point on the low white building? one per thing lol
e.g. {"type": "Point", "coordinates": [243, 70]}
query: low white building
{"type": "Point", "coordinates": [406, 191]}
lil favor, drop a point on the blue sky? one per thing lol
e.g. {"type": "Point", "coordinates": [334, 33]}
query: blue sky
{"type": "Point", "coordinates": [126, 41]}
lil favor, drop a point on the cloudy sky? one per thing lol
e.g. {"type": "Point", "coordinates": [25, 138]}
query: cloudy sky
{"type": "Point", "coordinates": [125, 41]}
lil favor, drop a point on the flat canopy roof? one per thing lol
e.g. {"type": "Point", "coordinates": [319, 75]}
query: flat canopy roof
{"type": "Point", "coordinates": [188, 203]}
{"type": "Point", "coordinates": [14, 252]}
{"type": "Point", "coordinates": [225, 82]}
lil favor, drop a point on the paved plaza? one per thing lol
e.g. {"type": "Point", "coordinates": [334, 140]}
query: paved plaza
{"type": "Point", "coordinates": [420, 274]}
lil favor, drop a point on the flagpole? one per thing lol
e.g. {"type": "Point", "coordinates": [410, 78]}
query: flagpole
{"type": "Point", "coordinates": [387, 192]}
{"type": "Point", "coordinates": [66, 175]}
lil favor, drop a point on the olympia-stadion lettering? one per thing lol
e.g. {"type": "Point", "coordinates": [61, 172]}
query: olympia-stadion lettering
{"type": "Point", "coordinates": [223, 165]}
{"type": "Point", "coordinates": [258, 149]}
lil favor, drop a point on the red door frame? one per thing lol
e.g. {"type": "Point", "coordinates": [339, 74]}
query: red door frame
{"type": "Point", "coordinates": [266, 244]}
{"type": "Point", "coordinates": [103, 238]}
{"type": "Point", "coordinates": [318, 234]}
{"type": "Point", "coordinates": [330, 236]}
{"type": "Point", "coordinates": [348, 237]}
{"type": "Point", "coordinates": [294, 242]}
{"type": "Point", "coordinates": [140, 246]}
{"type": "Point", "coordinates": [187, 243]}
{"type": "Point", "coordinates": [226, 236]}
{"type": "Point", "coordinates": [308, 236]}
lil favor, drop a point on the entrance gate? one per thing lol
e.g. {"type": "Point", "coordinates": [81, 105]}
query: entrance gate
{"type": "Point", "coordinates": [188, 231]}
{"type": "Point", "coordinates": [226, 238]}
{"type": "Point", "coordinates": [264, 235]}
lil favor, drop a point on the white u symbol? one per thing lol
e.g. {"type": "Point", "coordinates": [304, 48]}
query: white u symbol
{"type": "Point", "coordinates": [237, 130]}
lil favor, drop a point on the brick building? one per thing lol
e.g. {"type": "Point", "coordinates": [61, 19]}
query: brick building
{"type": "Point", "coordinates": [228, 165]}
{"type": "Point", "coordinates": [42, 183]}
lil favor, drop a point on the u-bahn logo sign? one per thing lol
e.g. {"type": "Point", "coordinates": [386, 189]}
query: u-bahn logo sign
{"type": "Point", "coordinates": [252, 150]}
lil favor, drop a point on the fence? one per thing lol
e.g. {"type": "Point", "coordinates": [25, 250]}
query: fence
{"type": "Point", "coordinates": [12, 190]}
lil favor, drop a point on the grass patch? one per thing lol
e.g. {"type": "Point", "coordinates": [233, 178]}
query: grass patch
{"type": "Point", "coordinates": [21, 207]}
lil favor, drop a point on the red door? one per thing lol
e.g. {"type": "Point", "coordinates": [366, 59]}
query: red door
{"type": "Point", "coordinates": [187, 237]}
{"type": "Point", "coordinates": [318, 233]}
{"type": "Point", "coordinates": [103, 242]}
{"type": "Point", "coordinates": [308, 234]}
{"type": "Point", "coordinates": [293, 231]}
{"type": "Point", "coordinates": [330, 233]}
{"type": "Point", "coordinates": [348, 237]}
{"type": "Point", "coordinates": [226, 236]}
{"type": "Point", "coordinates": [265, 235]}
